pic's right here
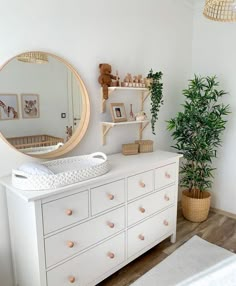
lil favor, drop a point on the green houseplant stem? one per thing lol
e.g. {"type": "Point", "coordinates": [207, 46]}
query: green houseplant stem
{"type": "Point", "coordinates": [197, 132]}
{"type": "Point", "coordinates": [156, 96]}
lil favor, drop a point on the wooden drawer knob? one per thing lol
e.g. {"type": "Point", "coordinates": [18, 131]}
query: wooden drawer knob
{"type": "Point", "coordinates": [165, 222]}
{"type": "Point", "coordinates": [141, 237]}
{"type": "Point", "coordinates": [69, 212]}
{"type": "Point", "coordinates": [142, 184]}
{"type": "Point", "coordinates": [110, 224]}
{"type": "Point", "coordinates": [167, 175]}
{"type": "Point", "coordinates": [142, 210]}
{"type": "Point", "coordinates": [72, 279]}
{"type": "Point", "coordinates": [167, 198]}
{"type": "Point", "coordinates": [111, 197]}
{"type": "Point", "coordinates": [111, 255]}
{"type": "Point", "coordinates": [70, 244]}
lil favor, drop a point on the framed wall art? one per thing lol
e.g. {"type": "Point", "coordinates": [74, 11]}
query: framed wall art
{"type": "Point", "coordinates": [30, 105]}
{"type": "Point", "coordinates": [118, 112]}
{"type": "Point", "coordinates": [9, 107]}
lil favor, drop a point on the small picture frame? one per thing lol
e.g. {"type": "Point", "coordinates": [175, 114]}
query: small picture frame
{"type": "Point", "coordinates": [30, 105]}
{"type": "Point", "coordinates": [9, 107]}
{"type": "Point", "coordinates": [118, 112]}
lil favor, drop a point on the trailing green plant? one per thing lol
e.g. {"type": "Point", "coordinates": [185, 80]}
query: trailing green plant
{"type": "Point", "coordinates": [156, 96]}
{"type": "Point", "coordinates": [197, 131]}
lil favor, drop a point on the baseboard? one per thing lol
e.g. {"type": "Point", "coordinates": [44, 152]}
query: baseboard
{"type": "Point", "coordinates": [228, 214]}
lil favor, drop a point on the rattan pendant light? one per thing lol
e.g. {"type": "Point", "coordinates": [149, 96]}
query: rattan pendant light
{"type": "Point", "coordinates": [220, 10]}
{"type": "Point", "coordinates": [33, 57]}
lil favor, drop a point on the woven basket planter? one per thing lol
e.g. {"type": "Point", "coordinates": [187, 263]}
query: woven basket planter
{"type": "Point", "coordinates": [196, 209]}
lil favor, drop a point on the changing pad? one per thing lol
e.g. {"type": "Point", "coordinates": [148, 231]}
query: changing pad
{"type": "Point", "coordinates": [60, 172]}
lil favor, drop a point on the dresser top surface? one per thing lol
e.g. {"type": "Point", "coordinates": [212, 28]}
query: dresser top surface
{"type": "Point", "coordinates": [121, 166]}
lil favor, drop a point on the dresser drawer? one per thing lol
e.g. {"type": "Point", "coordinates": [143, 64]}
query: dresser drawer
{"type": "Point", "coordinates": [148, 205]}
{"type": "Point", "coordinates": [73, 240]}
{"type": "Point", "coordinates": [107, 196]}
{"type": "Point", "coordinates": [165, 175]}
{"type": "Point", "coordinates": [88, 266]}
{"type": "Point", "coordinates": [65, 211]}
{"type": "Point", "coordinates": [149, 231]}
{"type": "Point", "coordinates": [140, 184]}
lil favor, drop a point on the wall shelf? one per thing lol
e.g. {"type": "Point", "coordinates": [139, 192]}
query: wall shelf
{"type": "Point", "coordinates": [106, 126]}
{"type": "Point", "coordinates": [143, 90]}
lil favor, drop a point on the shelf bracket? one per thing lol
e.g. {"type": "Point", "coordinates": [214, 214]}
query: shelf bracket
{"type": "Point", "coordinates": [144, 96]}
{"type": "Point", "coordinates": [105, 130]}
{"type": "Point", "coordinates": [142, 126]}
{"type": "Point", "coordinates": [103, 101]}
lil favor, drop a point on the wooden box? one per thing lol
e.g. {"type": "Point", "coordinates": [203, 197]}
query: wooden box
{"type": "Point", "coordinates": [145, 146]}
{"type": "Point", "coordinates": [130, 149]}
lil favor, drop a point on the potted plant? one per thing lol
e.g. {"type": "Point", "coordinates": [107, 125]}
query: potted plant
{"type": "Point", "coordinates": [155, 87]}
{"type": "Point", "coordinates": [197, 132]}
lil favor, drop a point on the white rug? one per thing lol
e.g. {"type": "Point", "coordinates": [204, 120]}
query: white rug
{"type": "Point", "coordinates": [196, 263]}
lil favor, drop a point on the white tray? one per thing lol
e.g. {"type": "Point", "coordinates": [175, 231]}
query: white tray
{"type": "Point", "coordinates": [65, 172]}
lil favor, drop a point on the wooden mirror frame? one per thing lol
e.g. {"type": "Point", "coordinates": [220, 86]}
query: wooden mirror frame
{"type": "Point", "coordinates": [85, 116]}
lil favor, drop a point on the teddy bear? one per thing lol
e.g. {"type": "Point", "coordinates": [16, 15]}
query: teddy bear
{"type": "Point", "coordinates": [105, 78]}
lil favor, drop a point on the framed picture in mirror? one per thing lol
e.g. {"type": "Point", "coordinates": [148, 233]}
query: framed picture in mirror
{"type": "Point", "coordinates": [9, 108]}
{"type": "Point", "coordinates": [30, 105]}
{"type": "Point", "coordinates": [118, 112]}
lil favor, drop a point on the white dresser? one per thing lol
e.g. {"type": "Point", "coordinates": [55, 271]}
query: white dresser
{"type": "Point", "coordinates": [82, 233]}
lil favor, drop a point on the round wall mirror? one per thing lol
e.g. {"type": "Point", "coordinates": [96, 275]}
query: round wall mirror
{"type": "Point", "coordinates": [44, 105]}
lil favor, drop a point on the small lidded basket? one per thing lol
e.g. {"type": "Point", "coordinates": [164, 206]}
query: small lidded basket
{"type": "Point", "coordinates": [145, 146]}
{"type": "Point", "coordinates": [130, 149]}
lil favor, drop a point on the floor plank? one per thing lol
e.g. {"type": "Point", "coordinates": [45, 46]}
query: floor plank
{"type": "Point", "coordinates": [218, 229]}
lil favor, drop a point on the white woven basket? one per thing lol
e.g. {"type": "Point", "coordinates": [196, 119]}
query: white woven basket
{"type": "Point", "coordinates": [65, 172]}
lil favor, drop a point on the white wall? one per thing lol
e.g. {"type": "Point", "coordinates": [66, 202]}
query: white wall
{"type": "Point", "coordinates": [134, 36]}
{"type": "Point", "coordinates": [214, 46]}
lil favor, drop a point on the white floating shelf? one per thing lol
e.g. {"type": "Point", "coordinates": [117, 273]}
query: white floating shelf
{"type": "Point", "coordinates": [113, 88]}
{"type": "Point", "coordinates": [112, 124]}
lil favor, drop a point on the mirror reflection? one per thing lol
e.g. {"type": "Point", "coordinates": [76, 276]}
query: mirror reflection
{"type": "Point", "coordinates": [42, 103]}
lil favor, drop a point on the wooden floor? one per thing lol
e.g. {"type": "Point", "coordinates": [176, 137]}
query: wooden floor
{"type": "Point", "coordinates": [218, 229]}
